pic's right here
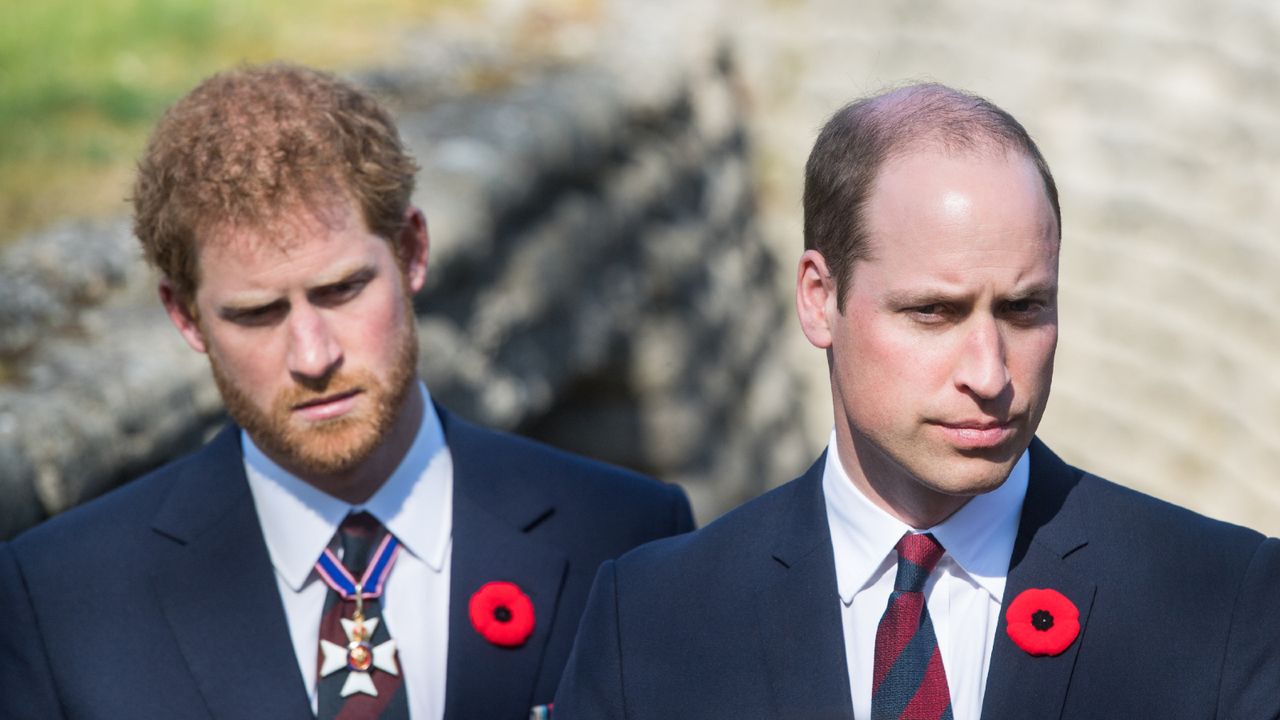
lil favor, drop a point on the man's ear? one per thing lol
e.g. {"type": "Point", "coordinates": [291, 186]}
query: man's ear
{"type": "Point", "coordinates": [816, 299]}
{"type": "Point", "coordinates": [414, 245]}
{"type": "Point", "coordinates": [182, 314]}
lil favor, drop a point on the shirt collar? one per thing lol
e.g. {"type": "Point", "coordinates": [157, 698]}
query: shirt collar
{"type": "Point", "coordinates": [415, 503]}
{"type": "Point", "coordinates": [978, 538]}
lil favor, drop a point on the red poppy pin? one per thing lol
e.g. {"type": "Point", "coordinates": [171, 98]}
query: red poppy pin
{"type": "Point", "coordinates": [1042, 621]}
{"type": "Point", "coordinates": [502, 613]}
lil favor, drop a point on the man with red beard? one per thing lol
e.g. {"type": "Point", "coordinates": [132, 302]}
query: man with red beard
{"type": "Point", "coordinates": [347, 548]}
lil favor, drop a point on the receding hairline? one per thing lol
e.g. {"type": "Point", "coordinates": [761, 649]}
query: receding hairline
{"type": "Point", "coordinates": [927, 116]}
{"type": "Point", "coordinates": [862, 137]}
{"type": "Point", "coordinates": [1019, 162]}
{"type": "Point", "coordinates": [933, 118]}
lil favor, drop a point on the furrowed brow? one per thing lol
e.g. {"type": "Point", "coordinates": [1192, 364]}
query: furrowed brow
{"type": "Point", "coordinates": [1034, 290]}
{"type": "Point", "coordinates": [919, 296]}
{"type": "Point", "coordinates": [361, 273]}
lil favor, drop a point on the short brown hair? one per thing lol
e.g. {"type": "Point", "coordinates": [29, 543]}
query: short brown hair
{"type": "Point", "coordinates": [249, 145]}
{"type": "Point", "coordinates": [863, 135]}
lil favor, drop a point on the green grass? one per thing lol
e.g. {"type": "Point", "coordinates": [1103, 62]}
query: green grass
{"type": "Point", "coordinates": [82, 82]}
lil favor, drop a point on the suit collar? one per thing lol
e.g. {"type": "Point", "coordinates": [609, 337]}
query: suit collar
{"type": "Point", "coordinates": [1052, 530]}
{"type": "Point", "coordinates": [218, 591]}
{"type": "Point", "coordinates": [798, 609]}
{"type": "Point", "coordinates": [495, 511]}
{"type": "Point", "coordinates": [1048, 517]}
{"type": "Point", "coordinates": [801, 528]}
{"type": "Point", "coordinates": [487, 477]}
{"type": "Point", "coordinates": [207, 485]}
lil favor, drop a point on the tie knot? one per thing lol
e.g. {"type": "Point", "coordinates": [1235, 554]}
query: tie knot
{"type": "Point", "coordinates": [360, 524]}
{"type": "Point", "coordinates": [358, 534]}
{"type": "Point", "coordinates": [918, 554]}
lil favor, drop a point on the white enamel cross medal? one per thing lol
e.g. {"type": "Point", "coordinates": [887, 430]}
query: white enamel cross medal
{"type": "Point", "coordinates": [359, 656]}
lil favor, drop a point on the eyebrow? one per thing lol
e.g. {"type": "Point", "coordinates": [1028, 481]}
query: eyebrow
{"type": "Point", "coordinates": [924, 296]}
{"type": "Point", "coordinates": [360, 274]}
{"type": "Point", "coordinates": [1049, 289]}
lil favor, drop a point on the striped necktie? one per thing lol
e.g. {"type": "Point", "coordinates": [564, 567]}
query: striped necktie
{"type": "Point", "coordinates": [358, 664]}
{"type": "Point", "coordinates": [910, 682]}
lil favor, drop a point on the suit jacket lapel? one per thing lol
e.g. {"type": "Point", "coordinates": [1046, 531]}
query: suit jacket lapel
{"type": "Point", "coordinates": [799, 610]}
{"type": "Point", "coordinates": [218, 590]}
{"type": "Point", "coordinates": [1051, 529]}
{"type": "Point", "coordinates": [493, 512]}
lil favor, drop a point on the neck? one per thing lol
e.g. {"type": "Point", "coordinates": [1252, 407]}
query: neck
{"type": "Point", "coordinates": [890, 486]}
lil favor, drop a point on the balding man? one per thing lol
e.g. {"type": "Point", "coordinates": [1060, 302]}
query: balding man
{"type": "Point", "coordinates": [938, 561]}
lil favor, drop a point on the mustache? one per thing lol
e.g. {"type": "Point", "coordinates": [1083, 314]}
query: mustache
{"type": "Point", "coordinates": [333, 386]}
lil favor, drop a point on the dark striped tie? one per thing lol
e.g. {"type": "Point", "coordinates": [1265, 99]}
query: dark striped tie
{"type": "Point", "coordinates": [359, 535]}
{"type": "Point", "coordinates": [910, 682]}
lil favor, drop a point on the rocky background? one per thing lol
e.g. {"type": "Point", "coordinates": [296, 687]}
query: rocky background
{"type": "Point", "coordinates": [615, 222]}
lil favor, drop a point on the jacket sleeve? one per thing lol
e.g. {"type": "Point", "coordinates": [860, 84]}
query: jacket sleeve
{"type": "Point", "coordinates": [1251, 671]}
{"type": "Point", "coordinates": [26, 682]}
{"type": "Point", "coordinates": [591, 687]}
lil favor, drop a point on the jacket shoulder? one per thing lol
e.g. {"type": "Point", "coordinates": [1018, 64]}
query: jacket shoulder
{"type": "Point", "coordinates": [571, 478]}
{"type": "Point", "coordinates": [732, 551]}
{"type": "Point", "coordinates": [125, 512]}
{"type": "Point", "coordinates": [1080, 505]}
{"type": "Point", "coordinates": [1115, 510]}
{"type": "Point", "coordinates": [614, 508]}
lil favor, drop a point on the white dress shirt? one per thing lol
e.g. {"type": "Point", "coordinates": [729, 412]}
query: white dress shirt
{"type": "Point", "coordinates": [963, 593]}
{"type": "Point", "coordinates": [416, 505]}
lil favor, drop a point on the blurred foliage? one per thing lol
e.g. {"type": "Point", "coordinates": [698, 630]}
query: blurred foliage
{"type": "Point", "coordinates": [82, 82]}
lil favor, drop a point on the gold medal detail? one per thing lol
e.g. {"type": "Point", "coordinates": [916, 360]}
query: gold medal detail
{"type": "Point", "coordinates": [359, 656]}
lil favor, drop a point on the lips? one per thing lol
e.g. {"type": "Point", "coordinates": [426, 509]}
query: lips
{"type": "Point", "coordinates": [327, 407]}
{"type": "Point", "coordinates": [977, 434]}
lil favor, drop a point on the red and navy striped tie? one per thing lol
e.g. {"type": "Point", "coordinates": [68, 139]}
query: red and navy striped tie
{"type": "Point", "coordinates": [910, 682]}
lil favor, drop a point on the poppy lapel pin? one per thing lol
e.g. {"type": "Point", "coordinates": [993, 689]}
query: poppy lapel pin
{"type": "Point", "coordinates": [502, 614]}
{"type": "Point", "coordinates": [1042, 621]}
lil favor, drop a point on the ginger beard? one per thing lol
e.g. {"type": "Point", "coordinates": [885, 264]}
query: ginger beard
{"type": "Point", "coordinates": [338, 445]}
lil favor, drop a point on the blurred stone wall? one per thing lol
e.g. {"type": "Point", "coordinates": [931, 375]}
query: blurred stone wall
{"type": "Point", "coordinates": [597, 280]}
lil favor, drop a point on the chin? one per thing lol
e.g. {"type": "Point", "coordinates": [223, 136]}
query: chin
{"type": "Point", "coordinates": [335, 449]}
{"type": "Point", "coordinates": [976, 477]}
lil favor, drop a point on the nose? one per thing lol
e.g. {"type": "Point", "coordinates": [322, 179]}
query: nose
{"type": "Point", "coordinates": [981, 368]}
{"type": "Point", "coordinates": [314, 352]}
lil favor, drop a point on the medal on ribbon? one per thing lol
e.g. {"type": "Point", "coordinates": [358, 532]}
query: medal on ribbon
{"type": "Point", "coordinates": [359, 656]}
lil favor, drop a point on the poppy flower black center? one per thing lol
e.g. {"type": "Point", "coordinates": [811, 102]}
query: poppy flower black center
{"type": "Point", "coordinates": [502, 614]}
{"type": "Point", "coordinates": [1042, 620]}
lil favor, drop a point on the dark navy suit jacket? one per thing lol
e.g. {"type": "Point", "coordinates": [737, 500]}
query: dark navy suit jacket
{"type": "Point", "coordinates": [1179, 614]}
{"type": "Point", "coordinates": [158, 600]}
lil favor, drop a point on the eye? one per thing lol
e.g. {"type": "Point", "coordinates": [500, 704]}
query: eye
{"type": "Point", "coordinates": [1026, 309]}
{"type": "Point", "coordinates": [929, 313]}
{"type": "Point", "coordinates": [259, 316]}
